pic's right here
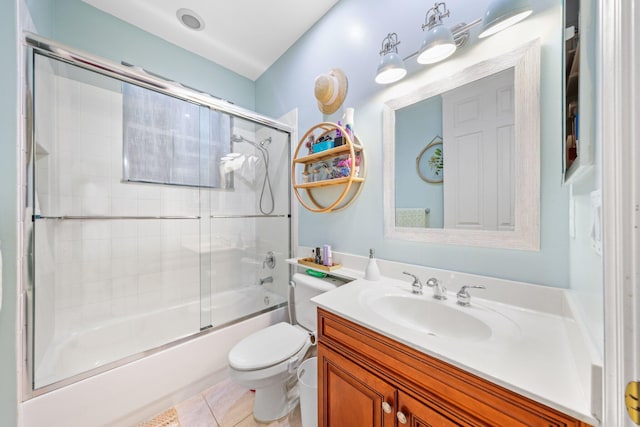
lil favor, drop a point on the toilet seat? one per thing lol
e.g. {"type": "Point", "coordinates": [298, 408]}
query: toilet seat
{"type": "Point", "coordinates": [267, 347]}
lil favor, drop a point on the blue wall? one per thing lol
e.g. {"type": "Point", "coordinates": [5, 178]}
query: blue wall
{"type": "Point", "coordinates": [84, 27]}
{"type": "Point", "coordinates": [8, 219]}
{"type": "Point", "coordinates": [416, 126]}
{"type": "Point", "coordinates": [349, 37]}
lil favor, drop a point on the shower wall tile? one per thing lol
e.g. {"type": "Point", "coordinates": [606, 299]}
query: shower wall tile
{"type": "Point", "coordinates": [149, 228]}
{"type": "Point", "coordinates": [124, 229]}
{"type": "Point", "coordinates": [127, 191]}
{"type": "Point", "coordinates": [121, 206]}
{"type": "Point", "coordinates": [96, 206]}
{"type": "Point", "coordinates": [67, 273]}
{"type": "Point", "coordinates": [96, 250]}
{"type": "Point", "coordinates": [94, 271]}
{"type": "Point", "coordinates": [148, 207]}
{"type": "Point", "coordinates": [69, 143]}
{"type": "Point", "coordinates": [123, 287]}
{"type": "Point", "coordinates": [66, 204]}
{"type": "Point", "coordinates": [67, 319]}
{"type": "Point", "coordinates": [124, 267]}
{"type": "Point", "coordinates": [96, 314]}
{"type": "Point", "coordinates": [96, 230]}
{"type": "Point", "coordinates": [150, 283]}
{"type": "Point", "coordinates": [124, 247]}
{"type": "Point", "coordinates": [94, 168]}
{"type": "Point", "coordinates": [150, 301]}
{"type": "Point", "coordinates": [123, 306]}
{"type": "Point", "coordinates": [97, 292]}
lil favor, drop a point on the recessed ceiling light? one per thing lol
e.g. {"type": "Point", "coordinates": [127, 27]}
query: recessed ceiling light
{"type": "Point", "coordinates": [190, 19]}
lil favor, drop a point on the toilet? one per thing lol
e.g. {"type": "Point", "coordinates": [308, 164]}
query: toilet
{"type": "Point", "coordinates": [267, 360]}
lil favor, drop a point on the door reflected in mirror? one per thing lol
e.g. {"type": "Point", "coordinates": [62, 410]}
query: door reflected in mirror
{"type": "Point", "coordinates": [462, 144]}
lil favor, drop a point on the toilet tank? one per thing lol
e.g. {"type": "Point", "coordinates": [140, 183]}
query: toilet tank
{"type": "Point", "coordinates": [306, 288]}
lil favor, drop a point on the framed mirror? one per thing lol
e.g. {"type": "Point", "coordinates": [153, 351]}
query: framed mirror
{"type": "Point", "coordinates": [475, 140]}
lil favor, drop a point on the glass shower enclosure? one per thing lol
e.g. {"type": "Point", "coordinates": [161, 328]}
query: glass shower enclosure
{"type": "Point", "coordinates": [155, 217]}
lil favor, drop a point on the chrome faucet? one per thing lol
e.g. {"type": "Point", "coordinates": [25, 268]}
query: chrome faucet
{"type": "Point", "coordinates": [266, 280]}
{"type": "Point", "coordinates": [439, 290]}
{"type": "Point", "coordinates": [416, 286]}
{"type": "Point", "coordinates": [464, 298]}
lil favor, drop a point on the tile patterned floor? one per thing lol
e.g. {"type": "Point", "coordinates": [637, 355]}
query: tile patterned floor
{"type": "Point", "coordinates": [226, 404]}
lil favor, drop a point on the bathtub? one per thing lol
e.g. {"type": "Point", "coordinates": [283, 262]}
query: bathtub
{"type": "Point", "coordinates": [134, 391]}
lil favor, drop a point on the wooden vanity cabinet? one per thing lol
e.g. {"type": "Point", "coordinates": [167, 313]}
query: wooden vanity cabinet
{"type": "Point", "coordinates": [353, 396]}
{"type": "Point", "coordinates": [366, 379]}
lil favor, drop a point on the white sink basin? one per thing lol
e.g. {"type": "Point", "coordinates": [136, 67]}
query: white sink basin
{"type": "Point", "coordinates": [444, 319]}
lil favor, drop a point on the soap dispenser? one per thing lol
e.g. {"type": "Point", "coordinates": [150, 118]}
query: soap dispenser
{"type": "Point", "coordinates": [372, 272]}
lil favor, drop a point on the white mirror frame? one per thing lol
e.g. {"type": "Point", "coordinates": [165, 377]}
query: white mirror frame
{"type": "Point", "coordinates": [526, 235]}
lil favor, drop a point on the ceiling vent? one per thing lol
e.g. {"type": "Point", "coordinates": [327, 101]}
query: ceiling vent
{"type": "Point", "coordinates": [190, 19]}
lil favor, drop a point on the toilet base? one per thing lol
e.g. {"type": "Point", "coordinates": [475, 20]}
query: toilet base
{"type": "Point", "coordinates": [274, 402]}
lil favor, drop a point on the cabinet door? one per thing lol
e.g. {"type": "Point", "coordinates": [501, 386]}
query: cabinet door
{"type": "Point", "coordinates": [349, 395]}
{"type": "Point", "coordinates": [415, 413]}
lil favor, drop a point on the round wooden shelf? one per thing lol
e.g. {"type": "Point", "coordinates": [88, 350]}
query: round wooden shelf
{"type": "Point", "coordinates": [351, 185]}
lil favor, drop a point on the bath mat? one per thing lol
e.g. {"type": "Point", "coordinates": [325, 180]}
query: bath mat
{"type": "Point", "coordinates": [168, 418]}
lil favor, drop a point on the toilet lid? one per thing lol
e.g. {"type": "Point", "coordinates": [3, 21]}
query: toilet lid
{"type": "Point", "coordinates": [267, 347]}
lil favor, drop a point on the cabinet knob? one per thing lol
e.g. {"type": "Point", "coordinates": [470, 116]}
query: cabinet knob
{"type": "Point", "coordinates": [402, 418]}
{"type": "Point", "coordinates": [386, 408]}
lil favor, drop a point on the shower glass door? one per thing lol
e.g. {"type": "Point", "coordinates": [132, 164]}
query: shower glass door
{"type": "Point", "coordinates": [114, 274]}
{"type": "Point", "coordinates": [250, 224]}
{"type": "Point", "coordinates": [154, 219]}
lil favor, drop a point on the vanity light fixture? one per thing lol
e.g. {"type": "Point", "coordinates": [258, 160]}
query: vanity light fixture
{"type": "Point", "coordinates": [438, 43]}
{"type": "Point", "coordinates": [441, 42]}
{"type": "Point", "coordinates": [502, 14]}
{"type": "Point", "coordinates": [391, 67]}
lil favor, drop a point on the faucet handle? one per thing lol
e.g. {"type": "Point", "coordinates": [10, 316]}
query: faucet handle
{"type": "Point", "coordinates": [464, 298]}
{"type": "Point", "coordinates": [439, 290]}
{"type": "Point", "coordinates": [416, 286]}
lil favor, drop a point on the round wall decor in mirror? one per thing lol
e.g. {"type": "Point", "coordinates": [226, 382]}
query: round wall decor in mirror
{"type": "Point", "coordinates": [430, 162]}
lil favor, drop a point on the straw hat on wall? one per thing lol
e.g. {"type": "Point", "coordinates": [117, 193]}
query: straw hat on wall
{"type": "Point", "coordinates": [330, 90]}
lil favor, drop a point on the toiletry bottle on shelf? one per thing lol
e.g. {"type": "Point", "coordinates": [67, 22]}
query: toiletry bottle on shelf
{"type": "Point", "coordinates": [349, 132]}
{"type": "Point", "coordinates": [327, 257]}
{"type": "Point", "coordinates": [309, 144]}
{"type": "Point", "coordinates": [348, 117]}
{"type": "Point", "coordinates": [348, 122]}
{"type": "Point", "coordinates": [372, 272]}
{"type": "Point", "coordinates": [338, 140]}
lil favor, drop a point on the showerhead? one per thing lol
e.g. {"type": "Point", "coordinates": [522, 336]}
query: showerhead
{"type": "Point", "coordinates": [265, 142]}
{"type": "Point", "coordinates": [237, 138]}
{"type": "Point", "coordinates": [266, 184]}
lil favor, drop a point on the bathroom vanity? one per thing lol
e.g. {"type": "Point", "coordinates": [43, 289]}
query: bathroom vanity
{"type": "Point", "coordinates": [381, 373]}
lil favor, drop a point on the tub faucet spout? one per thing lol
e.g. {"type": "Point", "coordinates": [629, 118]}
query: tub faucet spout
{"type": "Point", "coordinates": [266, 280]}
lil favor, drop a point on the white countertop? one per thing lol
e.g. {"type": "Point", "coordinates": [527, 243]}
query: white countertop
{"type": "Point", "coordinates": [530, 354]}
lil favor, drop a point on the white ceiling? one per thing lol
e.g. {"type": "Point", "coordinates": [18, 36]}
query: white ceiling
{"type": "Point", "coordinates": [245, 36]}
